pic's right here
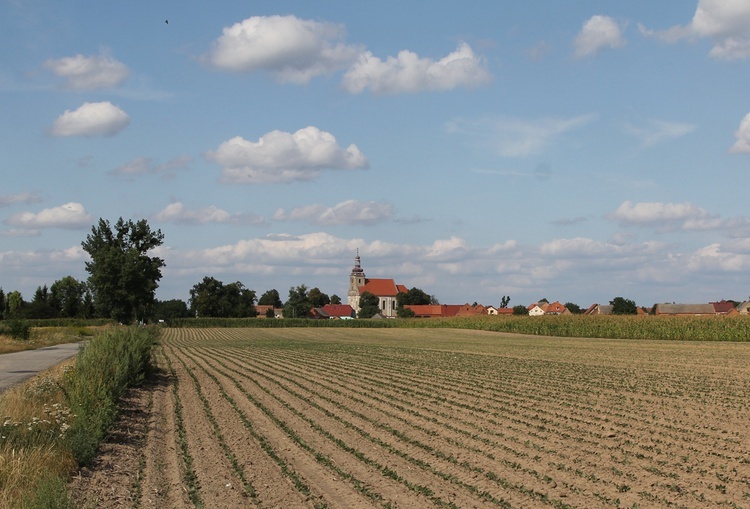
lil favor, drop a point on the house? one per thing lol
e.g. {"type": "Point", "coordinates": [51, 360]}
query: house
{"type": "Point", "coordinates": [537, 308]}
{"type": "Point", "coordinates": [723, 307]}
{"type": "Point", "coordinates": [599, 309]}
{"type": "Point", "coordinates": [556, 309]}
{"type": "Point", "coordinates": [684, 309]}
{"type": "Point", "coordinates": [471, 310]}
{"type": "Point", "coordinates": [262, 311]}
{"type": "Point", "coordinates": [384, 289]}
{"type": "Point", "coordinates": [493, 311]}
{"type": "Point", "coordinates": [744, 308]}
{"type": "Point", "coordinates": [433, 310]}
{"type": "Point", "coordinates": [339, 311]}
{"type": "Point", "coordinates": [318, 314]}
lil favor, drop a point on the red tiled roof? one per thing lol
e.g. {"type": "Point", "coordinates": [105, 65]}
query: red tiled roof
{"type": "Point", "coordinates": [338, 310]}
{"type": "Point", "coordinates": [433, 310]}
{"type": "Point", "coordinates": [381, 287]}
{"type": "Point", "coordinates": [723, 306]}
{"type": "Point", "coordinates": [469, 310]}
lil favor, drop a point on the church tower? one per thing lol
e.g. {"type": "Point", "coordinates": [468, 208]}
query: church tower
{"type": "Point", "coordinates": [356, 279]}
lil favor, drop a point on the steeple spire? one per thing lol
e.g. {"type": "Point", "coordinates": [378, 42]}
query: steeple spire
{"type": "Point", "coordinates": [357, 270]}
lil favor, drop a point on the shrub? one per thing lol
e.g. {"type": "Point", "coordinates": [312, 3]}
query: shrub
{"type": "Point", "coordinates": [18, 329]}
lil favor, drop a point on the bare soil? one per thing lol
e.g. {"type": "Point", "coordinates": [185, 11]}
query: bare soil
{"type": "Point", "coordinates": [382, 418]}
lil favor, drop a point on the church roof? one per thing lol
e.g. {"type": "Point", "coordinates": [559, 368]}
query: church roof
{"type": "Point", "coordinates": [382, 287]}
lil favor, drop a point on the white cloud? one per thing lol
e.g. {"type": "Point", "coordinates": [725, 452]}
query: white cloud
{"type": "Point", "coordinates": [69, 216]}
{"type": "Point", "coordinates": [658, 131]}
{"type": "Point", "coordinates": [409, 73]}
{"type": "Point", "coordinates": [177, 213]}
{"type": "Point", "coordinates": [11, 199]}
{"type": "Point", "coordinates": [742, 145]}
{"type": "Point", "coordinates": [284, 157]}
{"type": "Point", "coordinates": [292, 49]}
{"type": "Point", "coordinates": [146, 166]}
{"type": "Point", "coordinates": [725, 22]}
{"type": "Point", "coordinates": [91, 119]}
{"type": "Point", "coordinates": [346, 212]}
{"type": "Point", "coordinates": [89, 73]}
{"type": "Point", "coordinates": [656, 213]}
{"type": "Point", "coordinates": [513, 137]}
{"type": "Point", "coordinates": [597, 33]}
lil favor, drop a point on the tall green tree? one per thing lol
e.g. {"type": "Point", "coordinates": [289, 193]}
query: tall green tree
{"type": "Point", "coordinates": [622, 306]}
{"type": "Point", "coordinates": [415, 296]}
{"type": "Point", "coordinates": [317, 298]}
{"type": "Point", "coordinates": [170, 309]}
{"type": "Point", "coordinates": [335, 299]}
{"type": "Point", "coordinates": [66, 295]}
{"type": "Point", "coordinates": [15, 304]}
{"type": "Point", "coordinates": [270, 298]}
{"type": "Point", "coordinates": [122, 277]}
{"type": "Point", "coordinates": [40, 306]}
{"type": "Point", "coordinates": [2, 303]}
{"type": "Point", "coordinates": [369, 305]}
{"type": "Point", "coordinates": [298, 304]}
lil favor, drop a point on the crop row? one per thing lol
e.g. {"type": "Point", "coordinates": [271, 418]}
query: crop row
{"type": "Point", "coordinates": [456, 427]}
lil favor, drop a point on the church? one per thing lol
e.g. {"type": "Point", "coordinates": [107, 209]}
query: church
{"type": "Point", "coordinates": [384, 289]}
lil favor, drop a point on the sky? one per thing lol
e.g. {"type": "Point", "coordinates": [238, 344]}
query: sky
{"type": "Point", "coordinates": [573, 151]}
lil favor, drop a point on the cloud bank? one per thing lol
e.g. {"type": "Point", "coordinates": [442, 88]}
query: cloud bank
{"type": "Point", "coordinates": [91, 119]}
{"type": "Point", "coordinates": [407, 72]}
{"type": "Point", "coordinates": [89, 73]}
{"type": "Point", "coordinates": [284, 157]}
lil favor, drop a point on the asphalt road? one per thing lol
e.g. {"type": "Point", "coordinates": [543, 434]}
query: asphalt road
{"type": "Point", "coordinates": [19, 366]}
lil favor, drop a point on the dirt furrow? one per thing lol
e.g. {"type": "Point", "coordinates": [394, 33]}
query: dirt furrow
{"type": "Point", "coordinates": [325, 486]}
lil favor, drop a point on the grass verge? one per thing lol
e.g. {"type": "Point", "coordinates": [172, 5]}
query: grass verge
{"type": "Point", "coordinates": [56, 421]}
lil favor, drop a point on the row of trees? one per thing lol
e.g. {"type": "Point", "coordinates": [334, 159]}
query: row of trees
{"type": "Point", "coordinates": [123, 279]}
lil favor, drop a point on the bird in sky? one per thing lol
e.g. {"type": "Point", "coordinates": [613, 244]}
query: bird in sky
{"type": "Point", "coordinates": [166, 21]}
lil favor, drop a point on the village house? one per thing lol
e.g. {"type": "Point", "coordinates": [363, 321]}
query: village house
{"type": "Point", "coordinates": [684, 309]}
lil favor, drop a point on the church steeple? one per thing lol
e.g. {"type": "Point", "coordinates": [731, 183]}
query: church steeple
{"type": "Point", "coordinates": [357, 270]}
{"type": "Point", "coordinates": [356, 279]}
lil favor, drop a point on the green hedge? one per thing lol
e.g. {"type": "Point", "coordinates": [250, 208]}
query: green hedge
{"type": "Point", "coordinates": [104, 368]}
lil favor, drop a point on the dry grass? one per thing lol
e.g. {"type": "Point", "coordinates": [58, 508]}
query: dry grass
{"type": "Point", "coordinates": [47, 336]}
{"type": "Point", "coordinates": [33, 419]}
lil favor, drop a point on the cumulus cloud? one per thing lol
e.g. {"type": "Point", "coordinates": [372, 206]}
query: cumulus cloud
{"type": "Point", "coordinates": [91, 119]}
{"type": "Point", "coordinates": [146, 166]}
{"type": "Point", "coordinates": [292, 49]}
{"type": "Point", "coordinates": [597, 33]}
{"type": "Point", "coordinates": [742, 145]}
{"type": "Point", "coordinates": [656, 213]}
{"type": "Point", "coordinates": [407, 72]}
{"type": "Point", "coordinates": [346, 212]}
{"type": "Point", "coordinates": [11, 199]}
{"type": "Point", "coordinates": [658, 131]}
{"type": "Point", "coordinates": [725, 22]}
{"type": "Point", "coordinates": [284, 157]}
{"type": "Point", "coordinates": [514, 137]}
{"type": "Point", "coordinates": [178, 213]}
{"type": "Point", "coordinates": [89, 73]}
{"type": "Point", "coordinates": [69, 216]}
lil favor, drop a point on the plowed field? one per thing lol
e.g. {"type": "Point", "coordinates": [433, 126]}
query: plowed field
{"type": "Point", "coordinates": [350, 418]}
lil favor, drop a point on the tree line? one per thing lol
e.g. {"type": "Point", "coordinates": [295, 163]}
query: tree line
{"type": "Point", "coordinates": [123, 278]}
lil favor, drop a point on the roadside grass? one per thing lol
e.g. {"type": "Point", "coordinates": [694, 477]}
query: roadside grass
{"type": "Point", "coordinates": [41, 337]}
{"type": "Point", "coordinates": [55, 421]}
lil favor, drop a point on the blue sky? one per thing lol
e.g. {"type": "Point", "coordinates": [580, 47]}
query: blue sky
{"type": "Point", "coordinates": [572, 151]}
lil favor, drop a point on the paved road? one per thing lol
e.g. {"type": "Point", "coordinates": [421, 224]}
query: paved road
{"type": "Point", "coordinates": [17, 367]}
